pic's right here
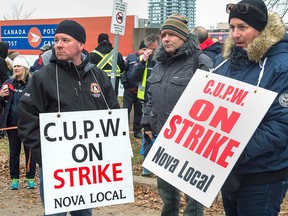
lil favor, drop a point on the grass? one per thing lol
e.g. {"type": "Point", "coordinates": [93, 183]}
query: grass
{"type": "Point", "coordinates": [136, 145]}
{"type": "Point", "coordinates": [4, 147]}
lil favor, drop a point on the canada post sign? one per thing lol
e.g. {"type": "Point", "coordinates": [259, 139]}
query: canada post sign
{"type": "Point", "coordinates": [28, 37]}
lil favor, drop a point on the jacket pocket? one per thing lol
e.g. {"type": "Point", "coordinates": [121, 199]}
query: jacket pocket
{"type": "Point", "coordinates": [180, 81]}
{"type": "Point", "coordinates": [154, 79]}
{"type": "Point", "coordinates": [175, 89]}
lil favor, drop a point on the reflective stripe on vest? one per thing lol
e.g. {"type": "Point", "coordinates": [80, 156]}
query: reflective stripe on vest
{"type": "Point", "coordinates": [107, 59]}
{"type": "Point", "coordinates": [142, 87]}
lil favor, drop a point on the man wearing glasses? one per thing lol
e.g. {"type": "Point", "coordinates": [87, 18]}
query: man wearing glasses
{"type": "Point", "coordinates": [256, 52]}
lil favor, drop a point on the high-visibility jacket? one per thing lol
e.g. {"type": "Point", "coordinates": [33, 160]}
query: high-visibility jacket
{"type": "Point", "coordinates": [107, 59]}
{"type": "Point", "coordinates": [142, 86]}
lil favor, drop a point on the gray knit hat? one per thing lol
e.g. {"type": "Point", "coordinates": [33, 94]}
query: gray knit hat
{"type": "Point", "coordinates": [176, 24]}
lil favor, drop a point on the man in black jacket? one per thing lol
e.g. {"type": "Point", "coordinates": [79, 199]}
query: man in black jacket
{"type": "Point", "coordinates": [71, 75]}
{"type": "Point", "coordinates": [102, 57]}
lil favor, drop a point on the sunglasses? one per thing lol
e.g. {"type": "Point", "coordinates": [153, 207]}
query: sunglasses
{"type": "Point", "coordinates": [242, 8]}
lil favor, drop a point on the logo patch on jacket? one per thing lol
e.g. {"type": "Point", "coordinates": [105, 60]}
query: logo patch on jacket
{"type": "Point", "coordinates": [283, 100]}
{"type": "Point", "coordinates": [95, 89]}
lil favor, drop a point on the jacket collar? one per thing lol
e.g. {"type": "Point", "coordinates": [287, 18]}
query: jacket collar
{"type": "Point", "coordinates": [86, 65]}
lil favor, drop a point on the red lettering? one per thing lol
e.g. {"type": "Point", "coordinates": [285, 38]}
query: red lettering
{"type": "Point", "coordinates": [239, 96]}
{"type": "Point", "coordinates": [169, 133]}
{"type": "Point", "coordinates": [94, 174]}
{"type": "Point", "coordinates": [204, 141]}
{"type": "Point", "coordinates": [194, 136]}
{"type": "Point", "coordinates": [227, 152]}
{"type": "Point", "coordinates": [83, 174]}
{"type": "Point", "coordinates": [218, 89]}
{"type": "Point", "coordinates": [227, 122]}
{"type": "Point", "coordinates": [88, 175]}
{"type": "Point", "coordinates": [210, 144]}
{"type": "Point", "coordinates": [187, 124]}
{"type": "Point", "coordinates": [102, 173]}
{"type": "Point", "coordinates": [71, 170]}
{"type": "Point", "coordinates": [117, 171]}
{"type": "Point", "coordinates": [228, 91]}
{"type": "Point", "coordinates": [206, 89]}
{"type": "Point", "coordinates": [62, 182]}
{"type": "Point", "coordinates": [213, 147]}
{"type": "Point", "coordinates": [201, 110]}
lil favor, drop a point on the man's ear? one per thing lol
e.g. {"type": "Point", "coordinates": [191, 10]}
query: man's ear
{"type": "Point", "coordinates": [81, 45]}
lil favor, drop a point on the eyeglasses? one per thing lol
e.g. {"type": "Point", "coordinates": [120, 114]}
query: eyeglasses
{"type": "Point", "coordinates": [242, 8]}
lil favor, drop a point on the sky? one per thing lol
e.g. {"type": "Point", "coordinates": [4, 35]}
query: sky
{"type": "Point", "coordinates": [211, 12]}
{"type": "Point", "coordinates": [208, 12]}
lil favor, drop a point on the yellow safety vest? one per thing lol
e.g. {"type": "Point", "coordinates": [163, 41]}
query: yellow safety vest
{"type": "Point", "coordinates": [142, 87]}
{"type": "Point", "coordinates": [107, 59]}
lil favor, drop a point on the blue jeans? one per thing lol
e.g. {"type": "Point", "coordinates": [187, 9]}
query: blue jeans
{"type": "Point", "coordinates": [84, 212]}
{"type": "Point", "coordinates": [171, 201]}
{"type": "Point", "coordinates": [255, 200]}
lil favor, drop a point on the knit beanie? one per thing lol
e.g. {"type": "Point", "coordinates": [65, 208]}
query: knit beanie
{"type": "Point", "coordinates": [21, 61]}
{"type": "Point", "coordinates": [257, 18]}
{"type": "Point", "coordinates": [176, 24]}
{"type": "Point", "coordinates": [13, 54]}
{"type": "Point", "coordinates": [102, 37]}
{"type": "Point", "coordinates": [45, 47]}
{"type": "Point", "coordinates": [72, 28]}
{"type": "Point", "coordinates": [142, 45]}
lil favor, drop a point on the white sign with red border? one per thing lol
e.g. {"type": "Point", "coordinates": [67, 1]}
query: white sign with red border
{"type": "Point", "coordinates": [86, 159]}
{"type": "Point", "coordinates": [206, 132]}
{"type": "Point", "coordinates": [118, 21]}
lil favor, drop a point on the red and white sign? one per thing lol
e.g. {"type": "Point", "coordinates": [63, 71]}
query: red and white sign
{"type": "Point", "coordinates": [86, 160]}
{"type": "Point", "coordinates": [206, 132]}
{"type": "Point", "coordinates": [118, 17]}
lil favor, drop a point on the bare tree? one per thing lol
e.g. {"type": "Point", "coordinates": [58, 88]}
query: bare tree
{"type": "Point", "coordinates": [279, 6]}
{"type": "Point", "coordinates": [17, 13]}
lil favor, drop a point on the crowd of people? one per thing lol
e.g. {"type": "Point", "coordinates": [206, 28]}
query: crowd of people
{"type": "Point", "coordinates": [154, 78]}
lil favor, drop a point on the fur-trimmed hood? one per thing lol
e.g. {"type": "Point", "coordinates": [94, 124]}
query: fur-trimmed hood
{"type": "Point", "coordinates": [257, 49]}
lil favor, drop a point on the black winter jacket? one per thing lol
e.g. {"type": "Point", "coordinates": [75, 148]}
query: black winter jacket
{"type": "Point", "coordinates": [11, 113]}
{"type": "Point", "coordinates": [105, 47]}
{"type": "Point", "coordinates": [168, 80]}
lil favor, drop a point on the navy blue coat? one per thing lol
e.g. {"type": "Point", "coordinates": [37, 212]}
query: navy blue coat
{"type": "Point", "coordinates": [267, 149]}
{"type": "Point", "coordinates": [11, 102]}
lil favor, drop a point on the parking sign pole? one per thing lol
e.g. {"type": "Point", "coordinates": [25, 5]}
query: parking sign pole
{"type": "Point", "coordinates": [115, 57]}
{"type": "Point", "coordinates": [117, 28]}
